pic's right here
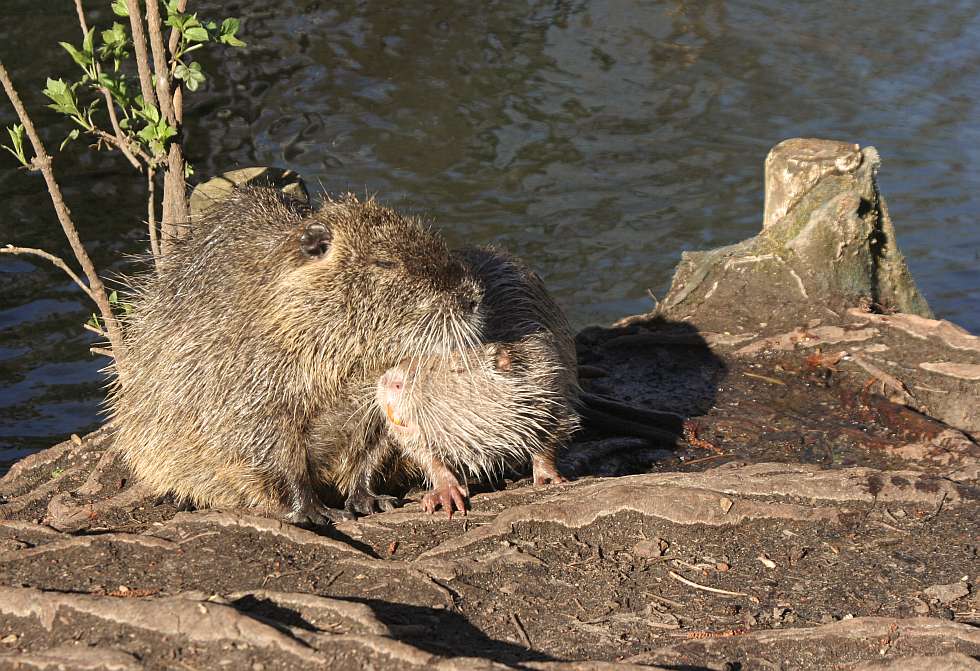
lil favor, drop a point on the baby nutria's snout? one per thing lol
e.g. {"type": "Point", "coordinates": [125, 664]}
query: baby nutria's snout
{"type": "Point", "coordinates": [390, 395]}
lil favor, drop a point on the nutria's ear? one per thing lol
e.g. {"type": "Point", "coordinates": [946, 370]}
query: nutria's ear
{"type": "Point", "coordinates": [315, 239]}
{"type": "Point", "coordinates": [504, 361]}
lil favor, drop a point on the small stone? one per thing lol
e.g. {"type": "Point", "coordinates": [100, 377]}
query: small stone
{"type": "Point", "coordinates": [8, 639]}
{"type": "Point", "coordinates": [649, 549]}
{"type": "Point", "coordinates": [919, 606]}
{"type": "Point", "coordinates": [947, 593]}
{"type": "Point", "coordinates": [726, 504]}
{"type": "Point", "coordinates": [722, 567]}
{"type": "Point", "coordinates": [510, 588]}
{"type": "Point", "coordinates": [258, 666]}
{"type": "Point", "coordinates": [768, 563]}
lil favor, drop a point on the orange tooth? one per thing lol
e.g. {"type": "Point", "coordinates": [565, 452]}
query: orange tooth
{"type": "Point", "coordinates": [391, 415]}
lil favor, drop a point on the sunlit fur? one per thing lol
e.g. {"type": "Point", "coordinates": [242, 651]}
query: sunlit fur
{"type": "Point", "coordinates": [243, 351]}
{"type": "Point", "coordinates": [482, 410]}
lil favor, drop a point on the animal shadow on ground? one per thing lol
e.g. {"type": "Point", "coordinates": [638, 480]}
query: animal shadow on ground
{"type": "Point", "coordinates": [642, 382]}
{"type": "Point", "coordinates": [439, 632]}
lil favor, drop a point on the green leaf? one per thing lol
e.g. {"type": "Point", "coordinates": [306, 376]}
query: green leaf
{"type": "Point", "coordinates": [192, 75]}
{"type": "Point", "coordinates": [16, 133]}
{"type": "Point", "coordinates": [148, 111]}
{"type": "Point", "coordinates": [196, 34]}
{"type": "Point", "coordinates": [188, 170]}
{"type": "Point", "coordinates": [73, 135]}
{"type": "Point", "coordinates": [82, 59]}
{"type": "Point", "coordinates": [119, 8]}
{"type": "Point", "coordinates": [231, 41]}
{"type": "Point", "coordinates": [88, 41]}
{"type": "Point", "coordinates": [229, 27]}
{"type": "Point", "coordinates": [113, 297]}
{"type": "Point", "coordinates": [63, 97]}
{"type": "Point", "coordinates": [114, 42]}
{"type": "Point", "coordinates": [94, 321]}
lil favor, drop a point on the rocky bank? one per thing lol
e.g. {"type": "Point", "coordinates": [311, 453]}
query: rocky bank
{"type": "Point", "coordinates": [794, 486]}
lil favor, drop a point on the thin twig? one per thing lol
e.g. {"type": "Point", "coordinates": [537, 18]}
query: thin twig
{"type": "Point", "coordinates": [121, 140]}
{"type": "Point", "coordinates": [142, 57]}
{"type": "Point", "coordinates": [691, 583]}
{"type": "Point", "coordinates": [101, 351]}
{"type": "Point", "coordinates": [94, 329]}
{"type": "Point", "coordinates": [151, 214]}
{"type": "Point", "coordinates": [160, 68]}
{"type": "Point", "coordinates": [10, 249]}
{"type": "Point", "coordinates": [124, 146]}
{"type": "Point", "coordinates": [938, 508]}
{"type": "Point", "coordinates": [708, 458]}
{"type": "Point", "coordinates": [174, 33]}
{"type": "Point", "coordinates": [42, 161]}
{"type": "Point", "coordinates": [521, 631]}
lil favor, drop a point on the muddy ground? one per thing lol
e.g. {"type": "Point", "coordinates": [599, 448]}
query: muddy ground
{"type": "Point", "coordinates": [801, 520]}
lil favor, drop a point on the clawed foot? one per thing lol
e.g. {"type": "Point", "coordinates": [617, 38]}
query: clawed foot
{"type": "Point", "coordinates": [168, 499]}
{"type": "Point", "coordinates": [545, 471]}
{"type": "Point", "coordinates": [367, 504]}
{"type": "Point", "coordinates": [317, 515]}
{"type": "Point", "coordinates": [549, 478]}
{"type": "Point", "coordinates": [449, 497]}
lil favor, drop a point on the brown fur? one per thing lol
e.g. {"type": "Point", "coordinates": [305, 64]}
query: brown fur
{"type": "Point", "coordinates": [263, 325]}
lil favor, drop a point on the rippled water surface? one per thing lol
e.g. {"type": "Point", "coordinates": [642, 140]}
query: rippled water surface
{"type": "Point", "coordinates": [596, 139]}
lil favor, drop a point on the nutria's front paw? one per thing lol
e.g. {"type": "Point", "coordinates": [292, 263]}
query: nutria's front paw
{"type": "Point", "coordinates": [448, 498]}
{"type": "Point", "coordinates": [366, 504]}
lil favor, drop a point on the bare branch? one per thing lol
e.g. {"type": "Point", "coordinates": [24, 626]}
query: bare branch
{"type": "Point", "coordinates": [121, 140]}
{"type": "Point", "coordinates": [42, 161]}
{"type": "Point", "coordinates": [58, 261]}
{"type": "Point", "coordinates": [94, 329]}
{"type": "Point", "coordinates": [151, 215]}
{"type": "Point", "coordinates": [174, 33]}
{"type": "Point", "coordinates": [160, 67]}
{"type": "Point", "coordinates": [139, 46]}
{"type": "Point", "coordinates": [174, 189]}
{"type": "Point", "coordinates": [125, 147]}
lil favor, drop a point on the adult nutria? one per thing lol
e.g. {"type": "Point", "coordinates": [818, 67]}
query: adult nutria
{"type": "Point", "coordinates": [263, 322]}
{"type": "Point", "coordinates": [475, 412]}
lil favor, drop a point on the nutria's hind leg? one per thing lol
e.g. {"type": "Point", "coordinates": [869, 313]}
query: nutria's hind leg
{"type": "Point", "coordinates": [544, 469]}
{"type": "Point", "coordinates": [307, 509]}
{"type": "Point", "coordinates": [182, 504]}
{"type": "Point", "coordinates": [305, 506]}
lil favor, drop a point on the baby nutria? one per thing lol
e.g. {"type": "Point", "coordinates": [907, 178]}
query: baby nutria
{"type": "Point", "coordinates": [267, 318]}
{"type": "Point", "coordinates": [475, 412]}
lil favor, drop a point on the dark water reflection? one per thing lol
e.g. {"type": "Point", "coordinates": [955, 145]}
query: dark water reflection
{"type": "Point", "coordinates": [596, 139]}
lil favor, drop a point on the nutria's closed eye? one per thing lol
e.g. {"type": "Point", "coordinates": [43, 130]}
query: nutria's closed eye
{"type": "Point", "coordinates": [385, 263]}
{"type": "Point", "coordinates": [315, 240]}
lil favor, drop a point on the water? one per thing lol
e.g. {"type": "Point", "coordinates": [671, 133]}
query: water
{"type": "Point", "coordinates": [596, 139]}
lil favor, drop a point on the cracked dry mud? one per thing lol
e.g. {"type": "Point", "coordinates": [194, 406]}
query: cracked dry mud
{"type": "Point", "coordinates": [793, 529]}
